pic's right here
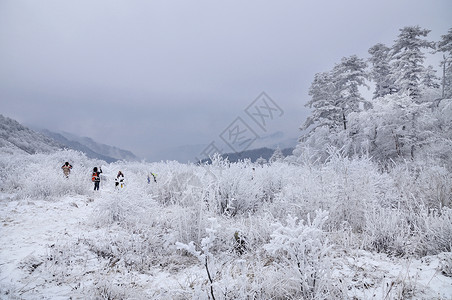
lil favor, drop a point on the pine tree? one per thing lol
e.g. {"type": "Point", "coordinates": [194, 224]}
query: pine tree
{"type": "Point", "coordinates": [277, 156]}
{"type": "Point", "coordinates": [408, 59]}
{"type": "Point", "coordinates": [347, 77]}
{"type": "Point", "coordinates": [335, 94]}
{"type": "Point", "coordinates": [445, 46]}
{"type": "Point", "coordinates": [324, 110]}
{"type": "Point", "coordinates": [381, 70]}
{"type": "Point", "coordinates": [429, 78]}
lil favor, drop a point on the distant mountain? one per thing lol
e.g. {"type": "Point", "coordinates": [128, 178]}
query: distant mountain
{"type": "Point", "coordinates": [16, 138]}
{"type": "Point", "coordinates": [275, 140]}
{"type": "Point", "coordinates": [193, 153]}
{"type": "Point", "coordinates": [183, 154]}
{"type": "Point", "coordinates": [253, 154]}
{"type": "Point", "coordinates": [102, 149]}
{"type": "Point", "coordinates": [88, 146]}
{"type": "Point", "coordinates": [76, 146]}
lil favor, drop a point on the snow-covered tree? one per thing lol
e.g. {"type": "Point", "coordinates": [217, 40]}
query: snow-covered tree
{"type": "Point", "coordinates": [391, 129]}
{"type": "Point", "coordinates": [348, 76]}
{"type": "Point", "coordinates": [277, 156]}
{"type": "Point", "coordinates": [335, 94]}
{"type": "Point", "coordinates": [429, 78]}
{"type": "Point", "coordinates": [324, 110]}
{"type": "Point", "coordinates": [261, 161]}
{"type": "Point", "coordinates": [381, 70]}
{"type": "Point", "coordinates": [445, 46]}
{"type": "Point", "coordinates": [408, 58]}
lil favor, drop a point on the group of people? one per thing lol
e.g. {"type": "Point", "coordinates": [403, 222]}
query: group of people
{"type": "Point", "coordinates": [95, 177]}
{"type": "Point", "coordinates": [119, 179]}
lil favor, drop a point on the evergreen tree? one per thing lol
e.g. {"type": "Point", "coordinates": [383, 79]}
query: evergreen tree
{"type": "Point", "coordinates": [277, 156]}
{"type": "Point", "coordinates": [408, 59]}
{"type": "Point", "coordinates": [381, 70]}
{"type": "Point", "coordinates": [429, 78]}
{"type": "Point", "coordinates": [324, 110]}
{"type": "Point", "coordinates": [445, 46]}
{"type": "Point", "coordinates": [347, 77]}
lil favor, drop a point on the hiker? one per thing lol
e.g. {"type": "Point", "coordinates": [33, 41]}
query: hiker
{"type": "Point", "coordinates": [66, 169]}
{"type": "Point", "coordinates": [96, 177]}
{"type": "Point", "coordinates": [153, 175]}
{"type": "Point", "coordinates": [119, 180]}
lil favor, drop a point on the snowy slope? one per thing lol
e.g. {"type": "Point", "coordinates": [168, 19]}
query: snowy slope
{"type": "Point", "coordinates": [254, 225]}
{"type": "Point", "coordinates": [15, 137]}
{"type": "Point", "coordinates": [102, 149]}
{"type": "Point", "coordinates": [76, 146]}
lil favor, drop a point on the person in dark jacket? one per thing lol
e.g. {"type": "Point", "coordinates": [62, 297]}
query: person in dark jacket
{"type": "Point", "coordinates": [66, 169]}
{"type": "Point", "coordinates": [96, 177]}
{"type": "Point", "coordinates": [119, 180]}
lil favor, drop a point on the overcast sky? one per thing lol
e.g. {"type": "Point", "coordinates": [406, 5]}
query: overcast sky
{"type": "Point", "coordinates": [152, 75]}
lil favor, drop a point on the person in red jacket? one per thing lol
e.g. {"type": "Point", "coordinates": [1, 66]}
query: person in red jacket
{"type": "Point", "coordinates": [96, 177]}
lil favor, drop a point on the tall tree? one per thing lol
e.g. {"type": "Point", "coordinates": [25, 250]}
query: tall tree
{"type": "Point", "coordinates": [381, 70]}
{"type": "Point", "coordinates": [324, 110]}
{"type": "Point", "coordinates": [277, 156]}
{"type": "Point", "coordinates": [408, 59]}
{"type": "Point", "coordinates": [348, 76]}
{"type": "Point", "coordinates": [445, 46]}
{"type": "Point", "coordinates": [429, 78]}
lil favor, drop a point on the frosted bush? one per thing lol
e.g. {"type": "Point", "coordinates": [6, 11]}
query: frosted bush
{"type": "Point", "coordinates": [388, 231]}
{"type": "Point", "coordinates": [301, 252]}
{"type": "Point", "coordinates": [435, 234]}
{"type": "Point", "coordinates": [41, 176]}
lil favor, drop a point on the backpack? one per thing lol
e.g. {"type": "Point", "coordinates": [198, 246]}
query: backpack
{"type": "Point", "coordinates": [94, 176]}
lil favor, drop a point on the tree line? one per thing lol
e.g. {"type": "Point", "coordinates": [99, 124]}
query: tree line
{"type": "Point", "coordinates": [409, 114]}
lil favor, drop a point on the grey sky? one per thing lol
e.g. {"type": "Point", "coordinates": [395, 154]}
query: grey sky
{"type": "Point", "coordinates": [151, 75]}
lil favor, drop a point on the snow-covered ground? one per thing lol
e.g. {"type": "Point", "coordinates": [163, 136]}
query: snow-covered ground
{"type": "Point", "coordinates": [152, 241]}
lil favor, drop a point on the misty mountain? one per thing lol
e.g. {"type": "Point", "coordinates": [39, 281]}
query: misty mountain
{"type": "Point", "coordinates": [91, 148]}
{"type": "Point", "coordinates": [15, 137]}
{"type": "Point", "coordinates": [262, 146]}
{"type": "Point", "coordinates": [275, 140]}
{"type": "Point", "coordinates": [102, 149]}
{"type": "Point", "coordinates": [76, 146]}
{"type": "Point", "coordinates": [253, 154]}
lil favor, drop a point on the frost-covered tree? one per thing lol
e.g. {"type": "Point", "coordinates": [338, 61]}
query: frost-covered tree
{"type": "Point", "coordinates": [335, 94]}
{"type": "Point", "coordinates": [391, 129]}
{"type": "Point", "coordinates": [277, 156]}
{"type": "Point", "coordinates": [261, 161]}
{"type": "Point", "coordinates": [381, 70]}
{"type": "Point", "coordinates": [408, 58]}
{"type": "Point", "coordinates": [324, 110]}
{"type": "Point", "coordinates": [348, 76]}
{"type": "Point", "coordinates": [429, 78]}
{"type": "Point", "coordinates": [445, 46]}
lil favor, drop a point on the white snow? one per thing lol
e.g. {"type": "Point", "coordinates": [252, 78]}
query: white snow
{"type": "Point", "coordinates": [65, 241]}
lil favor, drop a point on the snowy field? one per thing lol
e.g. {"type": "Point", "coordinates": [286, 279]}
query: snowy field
{"type": "Point", "coordinates": [338, 230]}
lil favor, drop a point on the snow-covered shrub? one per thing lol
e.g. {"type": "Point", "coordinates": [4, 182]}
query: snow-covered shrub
{"type": "Point", "coordinates": [301, 252]}
{"type": "Point", "coordinates": [387, 230]}
{"type": "Point", "coordinates": [421, 184]}
{"type": "Point", "coordinates": [205, 253]}
{"type": "Point", "coordinates": [435, 232]}
{"type": "Point", "coordinates": [445, 264]}
{"type": "Point", "coordinates": [41, 176]}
